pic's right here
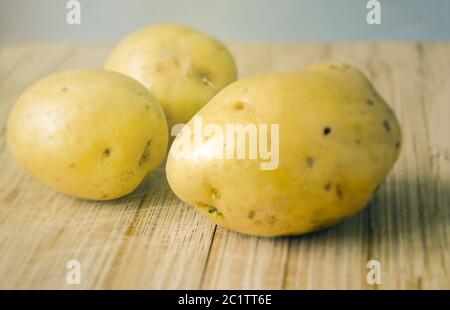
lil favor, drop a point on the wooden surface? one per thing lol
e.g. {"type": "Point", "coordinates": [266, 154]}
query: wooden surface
{"type": "Point", "coordinates": [150, 239]}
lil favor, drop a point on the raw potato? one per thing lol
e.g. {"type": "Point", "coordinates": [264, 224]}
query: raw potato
{"type": "Point", "coordinates": [92, 134]}
{"type": "Point", "coordinates": [182, 67]}
{"type": "Point", "coordinates": [338, 141]}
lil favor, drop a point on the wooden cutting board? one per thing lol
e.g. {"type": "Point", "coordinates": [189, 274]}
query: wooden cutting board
{"type": "Point", "coordinates": [150, 239]}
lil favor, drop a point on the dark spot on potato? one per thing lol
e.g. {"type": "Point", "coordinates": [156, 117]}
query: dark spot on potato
{"type": "Point", "coordinates": [213, 210]}
{"type": "Point", "coordinates": [369, 102]}
{"type": "Point", "coordinates": [106, 152]}
{"type": "Point", "coordinates": [215, 194]}
{"type": "Point", "coordinates": [339, 192]}
{"type": "Point", "coordinates": [64, 89]}
{"type": "Point", "coordinates": [327, 187]}
{"type": "Point", "coordinates": [104, 196]}
{"type": "Point", "coordinates": [272, 220]}
{"type": "Point", "coordinates": [210, 209]}
{"type": "Point", "coordinates": [326, 131]}
{"type": "Point", "coordinates": [72, 165]}
{"type": "Point", "coordinates": [386, 126]}
{"type": "Point", "coordinates": [145, 154]}
{"type": "Point", "coordinates": [239, 105]}
{"type": "Point", "coordinates": [147, 107]}
{"type": "Point", "coordinates": [357, 141]}
{"type": "Point", "coordinates": [251, 214]}
{"type": "Point", "coordinates": [310, 162]}
{"type": "Point", "coordinates": [397, 144]}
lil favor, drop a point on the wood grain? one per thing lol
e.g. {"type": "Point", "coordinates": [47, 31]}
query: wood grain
{"type": "Point", "coordinates": [150, 239]}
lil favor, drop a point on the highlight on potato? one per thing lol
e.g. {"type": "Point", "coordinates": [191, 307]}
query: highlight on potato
{"type": "Point", "coordinates": [338, 140]}
{"type": "Point", "coordinates": [182, 67]}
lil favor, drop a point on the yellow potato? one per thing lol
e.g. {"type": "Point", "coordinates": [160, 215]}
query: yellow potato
{"type": "Point", "coordinates": [182, 67]}
{"type": "Point", "coordinates": [92, 134]}
{"type": "Point", "coordinates": [338, 139]}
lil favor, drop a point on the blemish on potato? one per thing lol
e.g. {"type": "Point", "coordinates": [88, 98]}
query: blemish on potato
{"type": "Point", "coordinates": [326, 131]}
{"type": "Point", "coordinates": [397, 144]}
{"type": "Point", "coordinates": [339, 192]}
{"type": "Point", "coordinates": [213, 210]}
{"type": "Point", "coordinates": [64, 89]}
{"type": "Point", "coordinates": [72, 165]}
{"type": "Point", "coordinates": [272, 220]}
{"type": "Point", "coordinates": [309, 162]}
{"type": "Point", "coordinates": [386, 126]}
{"type": "Point", "coordinates": [327, 187]}
{"type": "Point", "coordinates": [357, 141]}
{"type": "Point", "coordinates": [145, 154]}
{"type": "Point", "coordinates": [251, 214]}
{"type": "Point", "coordinates": [240, 105]}
{"type": "Point", "coordinates": [210, 208]}
{"type": "Point", "coordinates": [369, 102]}
{"type": "Point", "coordinates": [106, 152]}
{"type": "Point", "coordinates": [215, 194]}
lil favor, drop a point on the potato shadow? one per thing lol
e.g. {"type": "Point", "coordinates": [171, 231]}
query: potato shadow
{"type": "Point", "coordinates": [155, 183]}
{"type": "Point", "coordinates": [402, 211]}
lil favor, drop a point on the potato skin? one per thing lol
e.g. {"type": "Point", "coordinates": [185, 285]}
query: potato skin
{"type": "Point", "coordinates": [92, 134]}
{"type": "Point", "coordinates": [182, 67]}
{"type": "Point", "coordinates": [338, 141]}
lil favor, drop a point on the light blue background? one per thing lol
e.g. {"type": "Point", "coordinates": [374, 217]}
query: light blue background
{"type": "Point", "coordinates": [231, 20]}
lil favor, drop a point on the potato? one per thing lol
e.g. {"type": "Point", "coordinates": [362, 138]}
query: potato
{"type": "Point", "coordinates": [182, 67]}
{"type": "Point", "coordinates": [337, 141]}
{"type": "Point", "coordinates": [92, 134]}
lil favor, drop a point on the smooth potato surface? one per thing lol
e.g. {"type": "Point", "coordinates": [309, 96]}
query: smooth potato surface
{"type": "Point", "coordinates": [338, 140]}
{"type": "Point", "coordinates": [92, 134]}
{"type": "Point", "coordinates": [182, 67]}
